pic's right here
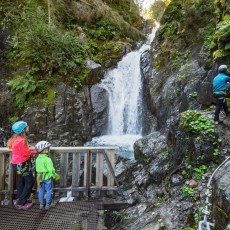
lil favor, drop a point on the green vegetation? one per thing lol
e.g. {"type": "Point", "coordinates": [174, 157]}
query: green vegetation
{"type": "Point", "coordinates": [157, 9]}
{"type": "Point", "coordinates": [201, 126]}
{"type": "Point", "coordinates": [50, 43]}
{"type": "Point", "coordinates": [198, 124]}
{"type": "Point", "coordinates": [202, 129]}
{"type": "Point", "coordinates": [200, 171]}
{"type": "Point", "coordinates": [220, 44]}
{"type": "Point", "coordinates": [13, 119]}
{"type": "Point", "coordinates": [184, 24]}
{"type": "Point", "coordinates": [189, 192]}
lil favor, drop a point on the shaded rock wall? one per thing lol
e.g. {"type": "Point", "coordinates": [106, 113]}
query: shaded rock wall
{"type": "Point", "coordinates": [66, 123]}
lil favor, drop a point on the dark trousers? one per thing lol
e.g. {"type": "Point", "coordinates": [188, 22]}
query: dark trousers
{"type": "Point", "coordinates": [220, 102]}
{"type": "Point", "coordinates": [25, 184]}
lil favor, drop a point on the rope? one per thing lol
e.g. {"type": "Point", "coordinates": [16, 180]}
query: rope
{"type": "Point", "coordinates": [204, 224]}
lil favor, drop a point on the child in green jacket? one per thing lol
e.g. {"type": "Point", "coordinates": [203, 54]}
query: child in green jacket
{"type": "Point", "coordinates": [45, 174]}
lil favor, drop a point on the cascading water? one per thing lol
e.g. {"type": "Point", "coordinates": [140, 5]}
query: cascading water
{"type": "Point", "coordinates": [124, 87]}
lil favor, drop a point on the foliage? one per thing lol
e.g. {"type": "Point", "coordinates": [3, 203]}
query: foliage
{"type": "Point", "coordinates": [183, 24]}
{"type": "Point", "coordinates": [198, 124]}
{"type": "Point", "coordinates": [44, 50]}
{"type": "Point", "coordinates": [103, 31]}
{"type": "Point", "coordinates": [13, 119]}
{"type": "Point", "coordinates": [220, 43]}
{"type": "Point", "coordinates": [22, 88]}
{"type": "Point", "coordinates": [189, 192]}
{"type": "Point", "coordinates": [160, 199]}
{"type": "Point", "coordinates": [192, 95]}
{"type": "Point", "coordinates": [200, 171]}
{"type": "Point", "coordinates": [201, 126]}
{"type": "Point", "coordinates": [157, 9]}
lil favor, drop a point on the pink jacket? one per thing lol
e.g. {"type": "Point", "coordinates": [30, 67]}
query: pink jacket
{"type": "Point", "coordinates": [20, 151]}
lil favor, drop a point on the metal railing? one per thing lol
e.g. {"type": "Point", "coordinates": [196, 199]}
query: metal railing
{"type": "Point", "coordinates": [82, 170]}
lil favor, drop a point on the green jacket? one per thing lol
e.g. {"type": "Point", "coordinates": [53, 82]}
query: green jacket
{"type": "Point", "coordinates": [44, 165]}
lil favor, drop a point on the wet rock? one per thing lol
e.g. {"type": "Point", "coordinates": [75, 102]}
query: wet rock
{"type": "Point", "coordinates": [177, 180]}
{"type": "Point", "coordinates": [99, 100]}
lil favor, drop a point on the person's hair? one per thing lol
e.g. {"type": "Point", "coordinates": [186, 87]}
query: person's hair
{"type": "Point", "coordinates": [14, 136]}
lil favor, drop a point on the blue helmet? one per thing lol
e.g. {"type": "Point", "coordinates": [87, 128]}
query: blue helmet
{"type": "Point", "coordinates": [19, 126]}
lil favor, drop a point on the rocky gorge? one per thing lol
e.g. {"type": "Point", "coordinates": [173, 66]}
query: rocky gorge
{"type": "Point", "coordinates": [165, 185]}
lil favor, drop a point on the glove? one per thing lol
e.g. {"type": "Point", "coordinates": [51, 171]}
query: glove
{"type": "Point", "coordinates": [39, 180]}
{"type": "Point", "coordinates": [57, 177]}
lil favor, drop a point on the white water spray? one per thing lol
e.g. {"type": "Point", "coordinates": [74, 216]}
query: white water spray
{"type": "Point", "coordinates": [124, 87]}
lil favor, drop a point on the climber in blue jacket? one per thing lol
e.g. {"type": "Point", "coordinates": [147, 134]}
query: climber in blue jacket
{"type": "Point", "coordinates": [220, 91]}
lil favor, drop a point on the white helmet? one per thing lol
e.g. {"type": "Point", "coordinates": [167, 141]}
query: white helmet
{"type": "Point", "coordinates": [222, 68]}
{"type": "Point", "coordinates": [41, 145]}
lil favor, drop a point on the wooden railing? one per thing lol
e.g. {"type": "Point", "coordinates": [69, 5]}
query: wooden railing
{"type": "Point", "coordinates": [81, 169]}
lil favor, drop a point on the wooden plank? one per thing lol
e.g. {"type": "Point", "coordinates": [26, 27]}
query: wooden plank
{"type": "Point", "coordinates": [70, 149]}
{"type": "Point", "coordinates": [111, 156]}
{"type": "Point", "coordinates": [99, 170]}
{"type": "Point", "coordinates": [87, 172]}
{"type": "Point", "coordinates": [2, 174]}
{"type": "Point", "coordinates": [63, 172]}
{"type": "Point", "coordinates": [11, 181]}
{"type": "Point", "coordinates": [76, 171]}
{"type": "Point", "coordinates": [110, 179]}
{"type": "Point", "coordinates": [2, 171]}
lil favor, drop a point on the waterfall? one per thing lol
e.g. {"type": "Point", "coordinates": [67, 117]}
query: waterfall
{"type": "Point", "coordinates": [124, 87]}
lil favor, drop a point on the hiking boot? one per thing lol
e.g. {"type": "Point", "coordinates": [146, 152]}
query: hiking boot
{"type": "Point", "coordinates": [17, 200]}
{"type": "Point", "coordinates": [24, 207]}
{"type": "Point", "coordinates": [41, 206]}
{"type": "Point", "coordinates": [48, 206]}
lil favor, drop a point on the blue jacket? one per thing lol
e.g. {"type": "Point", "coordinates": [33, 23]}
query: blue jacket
{"type": "Point", "coordinates": [220, 83]}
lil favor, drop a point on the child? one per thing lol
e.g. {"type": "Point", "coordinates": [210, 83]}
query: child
{"type": "Point", "coordinates": [21, 163]}
{"type": "Point", "coordinates": [45, 174]}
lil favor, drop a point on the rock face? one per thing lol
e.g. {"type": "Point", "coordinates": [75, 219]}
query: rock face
{"type": "Point", "coordinates": [65, 123]}
{"type": "Point", "coordinates": [169, 94]}
{"type": "Point", "coordinates": [221, 197]}
{"type": "Point", "coordinates": [99, 100]}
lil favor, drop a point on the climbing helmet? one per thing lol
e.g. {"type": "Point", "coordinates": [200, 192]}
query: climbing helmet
{"type": "Point", "coordinates": [19, 126]}
{"type": "Point", "coordinates": [222, 68]}
{"type": "Point", "coordinates": [41, 145]}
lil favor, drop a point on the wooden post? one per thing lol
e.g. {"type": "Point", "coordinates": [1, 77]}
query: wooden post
{"type": "Point", "coordinates": [110, 179]}
{"type": "Point", "coordinates": [76, 172]}
{"type": "Point", "coordinates": [87, 172]}
{"type": "Point", "coordinates": [11, 180]}
{"type": "Point", "coordinates": [63, 172]}
{"type": "Point", "coordinates": [2, 173]}
{"type": "Point", "coordinates": [99, 171]}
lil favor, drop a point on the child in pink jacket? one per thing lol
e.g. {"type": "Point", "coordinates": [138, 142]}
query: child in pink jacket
{"type": "Point", "coordinates": [21, 163]}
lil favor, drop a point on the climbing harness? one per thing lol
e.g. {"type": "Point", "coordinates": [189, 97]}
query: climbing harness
{"type": "Point", "coordinates": [24, 168]}
{"type": "Point", "coordinates": [204, 224]}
